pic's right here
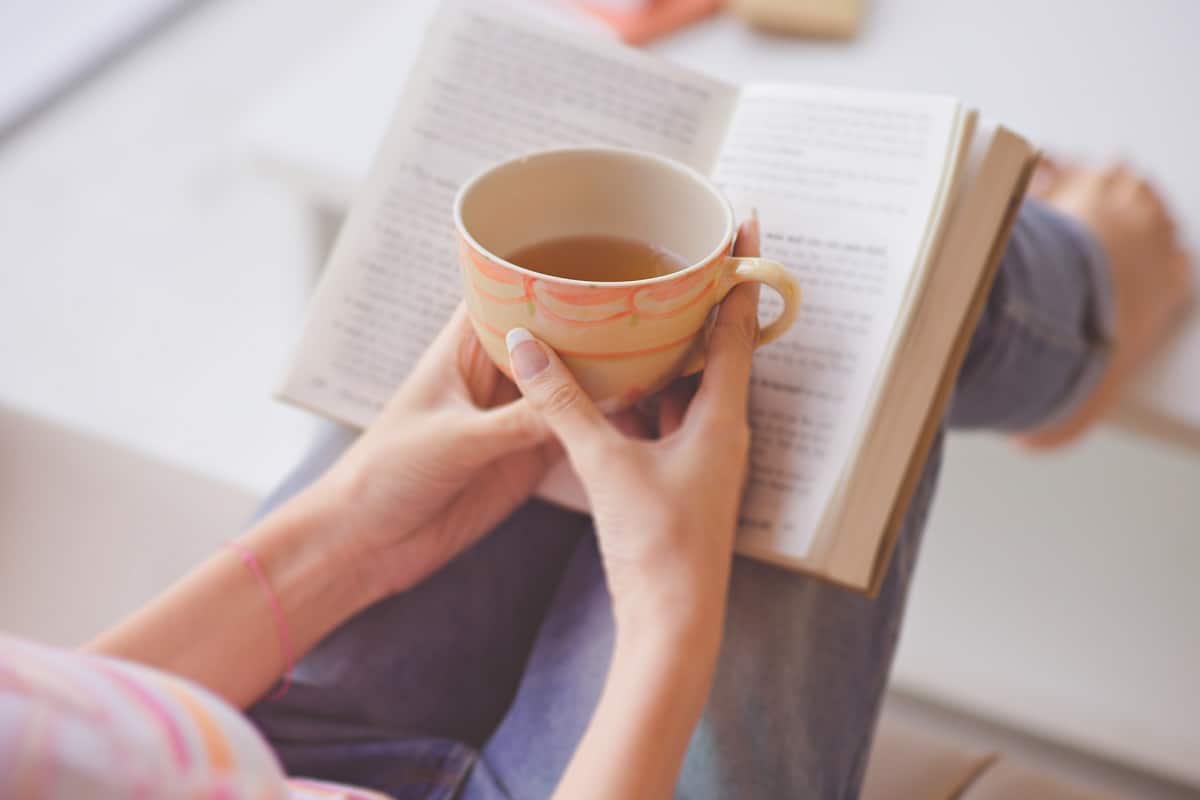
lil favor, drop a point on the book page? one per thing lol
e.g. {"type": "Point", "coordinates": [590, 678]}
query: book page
{"type": "Point", "coordinates": [488, 85]}
{"type": "Point", "coordinates": [846, 184]}
{"type": "Point", "coordinates": [872, 499]}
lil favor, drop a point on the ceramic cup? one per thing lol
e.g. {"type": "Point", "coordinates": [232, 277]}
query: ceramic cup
{"type": "Point", "coordinates": [621, 340]}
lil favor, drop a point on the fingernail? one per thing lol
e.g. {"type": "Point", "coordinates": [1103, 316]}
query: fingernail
{"type": "Point", "coordinates": [755, 226]}
{"type": "Point", "coordinates": [525, 354]}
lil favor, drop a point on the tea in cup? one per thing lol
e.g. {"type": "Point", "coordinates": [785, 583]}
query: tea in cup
{"type": "Point", "coordinates": [614, 258]}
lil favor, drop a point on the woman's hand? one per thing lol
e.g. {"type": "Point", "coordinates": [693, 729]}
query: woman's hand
{"type": "Point", "coordinates": [453, 453]}
{"type": "Point", "coordinates": [665, 507]}
{"type": "Point", "coordinates": [665, 510]}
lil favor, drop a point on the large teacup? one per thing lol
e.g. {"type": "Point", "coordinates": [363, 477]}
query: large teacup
{"type": "Point", "coordinates": [621, 340]}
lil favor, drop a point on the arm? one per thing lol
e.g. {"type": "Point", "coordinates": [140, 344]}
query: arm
{"type": "Point", "coordinates": [451, 455]}
{"type": "Point", "coordinates": [216, 627]}
{"type": "Point", "coordinates": [665, 502]}
{"type": "Point", "coordinates": [1088, 288]}
{"type": "Point", "coordinates": [653, 696]}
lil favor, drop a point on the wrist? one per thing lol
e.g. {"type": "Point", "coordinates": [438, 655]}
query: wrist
{"type": "Point", "coordinates": [653, 697]}
{"type": "Point", "coordinates": [666, 634]}
{"type": "Point", "coordinates": [305, 550]}
{"type": "Point", "coordinates": [678, 665]}
{"type": "Point", "coordinates": [672, 597]}
{"type": "Point", "coordinates": [346, 498]}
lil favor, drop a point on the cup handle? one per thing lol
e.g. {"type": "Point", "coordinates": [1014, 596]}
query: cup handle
{"type": "Point", "coordinates": [765, 271]}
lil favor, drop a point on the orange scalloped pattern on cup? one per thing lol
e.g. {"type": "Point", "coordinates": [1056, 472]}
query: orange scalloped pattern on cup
{"type": "Point", "coordinates": [495, 273]}
{"type": "Point", "coordinates": [556, 300]}
{"type": "Point", "coordinates": [602, 355]}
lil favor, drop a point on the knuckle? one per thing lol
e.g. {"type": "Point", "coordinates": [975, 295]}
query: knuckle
{"type": "Point", "coordinates": [604, 451]}
{"type": "Point", "coordinates": [519, 422]}
{"type": "Point", "coordinates": [741, 331]}
{"type": "Point", "coordinates": [560, 398]}
{"type": "Point", "coordinates": [732, 430]}
{"type": "Point", "coordinates": [598, 454]}
{"type": "Point", "coordinates": [739, 436]}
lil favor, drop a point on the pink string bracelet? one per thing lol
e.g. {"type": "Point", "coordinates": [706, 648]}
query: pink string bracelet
{"type": "Point", "coordinates": [285, 639]}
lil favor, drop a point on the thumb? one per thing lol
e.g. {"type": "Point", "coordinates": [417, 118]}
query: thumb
{"type": "Point", "coordinates": [552, 390]}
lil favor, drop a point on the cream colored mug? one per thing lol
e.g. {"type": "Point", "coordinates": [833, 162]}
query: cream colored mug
{"type": "Point", "coordinates": [621, 340]}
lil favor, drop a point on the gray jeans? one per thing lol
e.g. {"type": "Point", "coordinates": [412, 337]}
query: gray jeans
{"type": "Point", "coordinates": [479, 682]}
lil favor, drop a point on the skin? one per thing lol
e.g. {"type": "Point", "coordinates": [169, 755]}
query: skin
{"type": "Point", "coordinates": [454, 452]}
{"type": "Point", "coordinates": [1152, 273]}
{"type": "Point", "coordinates": [665, 519]}
{"type": "Point", "coordinates": [458, 448]}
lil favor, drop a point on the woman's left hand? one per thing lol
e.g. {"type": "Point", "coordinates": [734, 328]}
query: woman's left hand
{"type": "Point", "coordinates": [453, 453]}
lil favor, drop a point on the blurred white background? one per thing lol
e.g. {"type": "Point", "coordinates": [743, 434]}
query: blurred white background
{"type": "Point", "coordinates": [153, 276]}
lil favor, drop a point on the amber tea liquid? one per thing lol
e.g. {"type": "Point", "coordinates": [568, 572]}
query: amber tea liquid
{"type": "Point", "coordinates": [597, 259]}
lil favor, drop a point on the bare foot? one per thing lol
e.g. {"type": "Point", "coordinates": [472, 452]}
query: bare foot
{"type": "Point", "coordinates": [1151, 274]}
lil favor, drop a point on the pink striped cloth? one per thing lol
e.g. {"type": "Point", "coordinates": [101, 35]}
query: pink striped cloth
{"type": "Point", "coordinates": [74, 725]}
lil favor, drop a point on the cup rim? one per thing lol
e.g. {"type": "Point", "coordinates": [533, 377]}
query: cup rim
{"type": "Point", "coordinates": [678, 166]}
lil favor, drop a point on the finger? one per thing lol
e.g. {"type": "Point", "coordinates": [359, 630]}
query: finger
{"type": "Point", "coordinates": [1050, 164]}
{"type": "Point", "coordinates": [1182, 270]}
{"type": "Point", "coordinates": [749, 238]}
{"type": "Point", "coordinates": [442, 362]}
{"type": "Point", "coordinates": [1113, 172]}
{"type": "Point", "coordinates": [1150, 198]}
{"type": "Point", "coordinates": [1046, 177]}
{"type": "Point", "coordinates": [749, 245]}
{"type": "Point", "coordinates": [504, 430]}
{"type": "Point", "coordinates": [552, 390]}
{"type": "Point", "coordinates": [450, 338]}
{"type": "Point", "coordinates": [477, 374]}
{"type": "Point", "coordinates": [724, 387]}
{"type": "Point", "coordinates": [725, 384]}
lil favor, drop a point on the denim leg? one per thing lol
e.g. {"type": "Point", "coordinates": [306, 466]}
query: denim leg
{"type": "Point", "coordinates": [1044, 336]}
{"type": "Point", "coordinates": [801, 676]}
{"type": "Point", "coordinates": [399, 695]}
{"type": "Point", "coordinates": [801, 673]}
{"type": "Point", "coordinates": [562, 682]}
{"type": "Point", "coordinates": [804, 664]}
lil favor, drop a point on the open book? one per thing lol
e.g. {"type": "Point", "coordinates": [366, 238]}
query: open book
{"type": "Point", "coordinates": [892, 209]}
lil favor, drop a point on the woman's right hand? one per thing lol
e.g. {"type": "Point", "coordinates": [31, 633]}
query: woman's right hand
{"type": "Point", "coordinates": [665, 508]}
